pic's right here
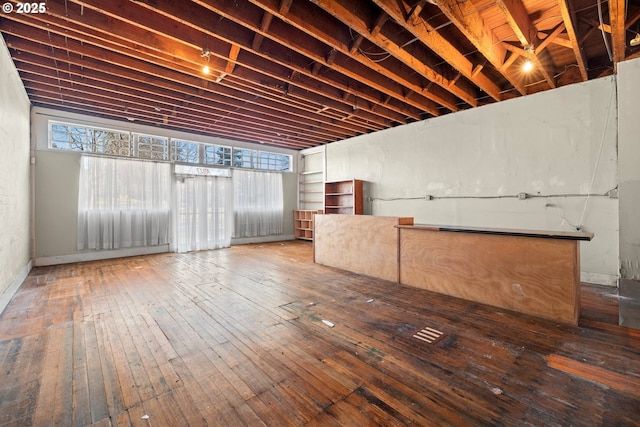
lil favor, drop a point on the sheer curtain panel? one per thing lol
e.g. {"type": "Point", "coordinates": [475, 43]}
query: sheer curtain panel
{"type": "Point", "coordinates": [257, 203]}
{"type": "Point", "coordinates": [123, 203]}
{"type": "Point", "coordinates": [202, 213]}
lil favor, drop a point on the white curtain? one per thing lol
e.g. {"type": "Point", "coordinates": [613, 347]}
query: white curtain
{"type": "Point", "coordinates": [202, 213]}
{"type": "Point", "coordinates": [257, 203]}
{"type": "Point", "coordinates": [123, 203]}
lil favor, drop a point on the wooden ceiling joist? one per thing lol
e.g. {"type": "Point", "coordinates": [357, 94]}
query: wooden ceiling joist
{"type": "Point", "coordinates": [303, 73]}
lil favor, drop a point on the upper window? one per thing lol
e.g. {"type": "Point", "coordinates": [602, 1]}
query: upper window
{"type": "Point", "coordinates": [186, 152]}
{"type": "Point", "coordinates": [243, 158]}
{"type": "Point", "coordinates": [273, 161]}
{"type": "Point", "coordinates": [217, 155]}
{"type": "Point", "coordinates": [153, 147]}
{"type": "Point", "coordinates": [90, 140]}
{"type": "Point", "coordinates": [73, 137]}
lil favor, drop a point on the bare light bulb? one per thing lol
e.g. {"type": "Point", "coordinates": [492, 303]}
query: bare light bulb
{"type": "Point", "coordinates": [528, 66]}
{"type": "Point", "coordinates": [206, 69]}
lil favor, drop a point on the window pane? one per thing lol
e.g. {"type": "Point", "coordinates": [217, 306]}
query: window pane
{"type": "Point", "coordinates": [216, 155]}
{"type": "Point", "coordinates": [88, 139]}
{"type": "Point", "coordinates": [153, 147]}
{"type": "Point", "coordinates": [273, 161]}
{"type": "Point", "coordinates": [110, 142]}
{"type": "Point", "coordinates": [243, 158]}
{"type": "Point", "coordinates": [68, 137]}
{"type": "Point", "coordinates": [186, 152]}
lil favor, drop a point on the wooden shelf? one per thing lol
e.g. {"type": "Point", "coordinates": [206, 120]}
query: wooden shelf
{"type": "Point", "coordinates": [303, 223]}
{"type": "Point", "coordinates": [343, 197]}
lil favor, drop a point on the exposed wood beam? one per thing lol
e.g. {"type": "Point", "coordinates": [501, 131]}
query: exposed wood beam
{"type": "Point", "coordinates": [559, 40]}
{"type": "Point", "coordinates": [346, 14]}
{"type": "Point", "coordinates": [569, 19]}
{"type": "Point", "coordinates": [633, 16]}
{"type": "Point", "coordinates": [264, 26]}
{"type": "Point", "coordinates": [617, 13]}
{"type": "Point", "coordinates": [137, 70]}
{"type": "Point", "coordinates": [283, 37]}
{"type": "Point", "coordinates": [428, 35]}
{"type": "Point", "coordinates": [392, 78]}
{"type": "Point", "coordinates": [467, 19]}
{"type": "Point", "coordinates": [285, 5]}
{"type": "Point", "coordinates": [519, 21]}
{"type": "Point", "coordinates": [226, 30]}
{"type": "Point", "coordinates": [527, 34]}
{"type": "Point", "coordinates": [85, 75]}
{"type": "Point", "coordinates": [231, 64]}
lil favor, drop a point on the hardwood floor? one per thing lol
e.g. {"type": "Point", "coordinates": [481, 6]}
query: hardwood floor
{"type": "Point", "coordinates": [236, 337]}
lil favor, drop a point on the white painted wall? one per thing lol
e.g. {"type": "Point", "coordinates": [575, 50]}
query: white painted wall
{"type": "Point", "coordinates": [629, 167]}
{"type": "Point", "coordinates": [56, 189]}
{"type": "Point", "coordinates": [557, 146]}
{"type": "Point", "coordinates": [15, 180]}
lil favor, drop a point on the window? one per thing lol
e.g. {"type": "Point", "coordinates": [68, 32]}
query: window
{"type": "Point", "coordinates": [273, 161]}
{"type": "Point", "coordinates": [95, 140]}
{"type": "Point", "coordinates": [186, 152]}
{"type": "Point", "coordinates": [217, 155]}
{"type": "Point", "coordinates": [153, 147]}
{"type": "Point", "coordinates": [90, 140]}
{"type": "Point", "coordinates": [243, 158]}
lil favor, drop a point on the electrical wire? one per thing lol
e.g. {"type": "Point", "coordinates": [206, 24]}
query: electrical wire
{"type": "Point", "coordinates": [602, 140]}
{"type": "Point", "coordinates": [604, 35]}
{"type": "Point", "coordinates": [510, 196]}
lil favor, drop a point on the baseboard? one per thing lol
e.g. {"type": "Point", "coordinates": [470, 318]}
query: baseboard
{"type": "Point", "coordinates": [11, 290]}
{"type": "Point", "coordinates": [100, 255]}
{"type": "Point", "coordinates": [261, 239]}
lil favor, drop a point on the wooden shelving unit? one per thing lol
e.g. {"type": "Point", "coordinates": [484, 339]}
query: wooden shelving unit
{"type": "Point", "coordinates": [343, 197]}
{"type": "Point", "coordinates": [311, 189]}
{"type": "Point", "coordinates": [303, 223]}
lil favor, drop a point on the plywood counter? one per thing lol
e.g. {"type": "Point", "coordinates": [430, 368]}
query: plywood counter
{"type": "Point", "coordinates": [529, 271]}
{"type": "Point", "coordinates": [532, 272]}
{"type": "Point", "coordinates": [362, 244]}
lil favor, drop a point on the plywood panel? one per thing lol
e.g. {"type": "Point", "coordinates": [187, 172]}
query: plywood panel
{"type": "Point", "coordinates": [538, 276]}
{"type": "Point", "coordinates": [362, 244]}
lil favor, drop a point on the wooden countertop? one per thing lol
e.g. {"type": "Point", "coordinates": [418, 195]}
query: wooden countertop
{"type": "Point", "coordinates": [545, 234]}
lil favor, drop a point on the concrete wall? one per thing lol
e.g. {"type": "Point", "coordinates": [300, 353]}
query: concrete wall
{"type": "Point", "coordinates": [15, 182]}
{"type": "Point", "coordinates": [56, 190]}
{"type": "Point", "coordinates": [629, 167]}
{"type": "Point", "coordinates": [558, 146]}
{"type": "Point", "coordinates": [629, 175]}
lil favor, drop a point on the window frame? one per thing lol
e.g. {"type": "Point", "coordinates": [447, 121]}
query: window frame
{"type": "Point", "coordinates": [201, 153]}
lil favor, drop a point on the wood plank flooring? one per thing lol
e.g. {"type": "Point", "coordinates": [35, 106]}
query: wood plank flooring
{"type": "Point", "coordinates": [235, 337]}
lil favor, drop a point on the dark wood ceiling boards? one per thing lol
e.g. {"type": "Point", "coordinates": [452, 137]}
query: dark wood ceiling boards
{"type": "Point", "coordinates": [301, 73]}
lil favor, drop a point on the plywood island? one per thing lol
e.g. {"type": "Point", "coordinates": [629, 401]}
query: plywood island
{"type": "Point", "coordinates": [528, 271]}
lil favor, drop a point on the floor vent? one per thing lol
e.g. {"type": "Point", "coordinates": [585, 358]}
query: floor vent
{"type": "Point", "coordinates": [429, 335]}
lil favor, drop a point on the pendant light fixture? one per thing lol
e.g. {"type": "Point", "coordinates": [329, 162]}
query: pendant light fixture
{"type": "Point", "coordinates": [206, 53]}
{"type": "Point", "coordinates": [528, 63]}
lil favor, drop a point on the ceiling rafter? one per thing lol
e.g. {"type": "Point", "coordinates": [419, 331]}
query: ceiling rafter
{"type": "Point", "coordinates": [192, 86]}
{"type": "Point", "coordinates": [302, 73]}
{"type": "Point", "coordinates": [527, 34]}
{"type": "Point", "coordinates": [343, 65]}
{"type": "Point", "coordinates": [569, 19]}
{"type": "Point", "coordinates": [428, 35]}
{"type": "Point", "coordinates": [392, 79]}
{"type": "Point", "coordinates": [343, 11]}
{"type": "Point", "coordinates": [155, 25]}
{"type": "Point", "coordinates": [617, 12]}
{"type": "Point", "coordinates": [227, 31]}
{"type": "Point", "coordinates": [466, 18]}
{"type": "Point", "coordinates": [198, 104]}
